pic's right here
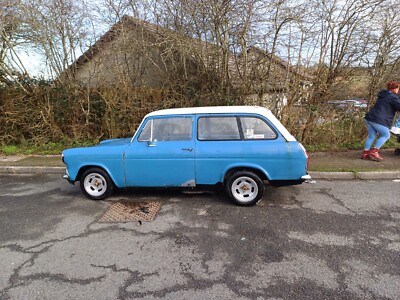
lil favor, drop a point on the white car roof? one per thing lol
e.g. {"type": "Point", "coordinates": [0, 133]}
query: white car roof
{"type": "Point", "coordinates": [226, 109]}
{"type": "Point", "coordinates": [210, 110]}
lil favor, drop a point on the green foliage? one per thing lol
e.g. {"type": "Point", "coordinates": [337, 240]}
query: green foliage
{"type": "Point", "coordinates": [50, 148]}
{"type": "Point", "coordinates": [351, 144]}
{"type": "Point", "coordinates": [55, 117]}
{"type": "Point", "coordinates": [53, 113]}
{"type": "Point", "coordinates": [9, 150]}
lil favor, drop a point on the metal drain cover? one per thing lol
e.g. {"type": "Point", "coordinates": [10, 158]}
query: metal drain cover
{"type": "Point", "coordinates": [126, 211]}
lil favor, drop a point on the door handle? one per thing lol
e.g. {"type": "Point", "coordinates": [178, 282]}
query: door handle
{"type": "Point", "coordinates": [187, 149]}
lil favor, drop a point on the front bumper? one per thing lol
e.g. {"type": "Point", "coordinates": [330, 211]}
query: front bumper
{"type": "Point", "coordinates": [66, 177]}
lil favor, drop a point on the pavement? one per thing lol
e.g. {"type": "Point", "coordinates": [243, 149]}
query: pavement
{"type": "Point", "coordinates": [341, 165]}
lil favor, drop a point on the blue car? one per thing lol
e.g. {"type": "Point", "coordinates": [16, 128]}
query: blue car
{"type": "Point", "coordinates": [239, 147]}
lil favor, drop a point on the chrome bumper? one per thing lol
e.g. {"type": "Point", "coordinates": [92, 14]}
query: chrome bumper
{"type": "Point", "coordinates": [66, 177]}
{"type": "Point", "coordinates": [306, 177]}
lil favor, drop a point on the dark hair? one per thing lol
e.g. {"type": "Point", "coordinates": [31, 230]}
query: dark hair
{"type": "Point", "coordinates": [391, 85]}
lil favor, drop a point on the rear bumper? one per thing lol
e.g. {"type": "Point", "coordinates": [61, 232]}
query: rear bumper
{"type": "Point", "coordinates": [278, 183]}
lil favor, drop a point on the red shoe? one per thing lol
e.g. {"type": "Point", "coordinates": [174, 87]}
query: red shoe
{"type": "Point", "coordinates": [365, 154]}
{"type": "Point", "coordinates": [374, 155]}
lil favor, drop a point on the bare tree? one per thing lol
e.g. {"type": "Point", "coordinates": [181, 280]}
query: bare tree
{"type": "Point", "coordinates": [195, 53]}
{"type": "Point", "coordinates": [58, 30]}
{"type": "Point", "coordinates": [338, 27]}
{"type": "Point", "coordinates": [109, 12]}
{"type": "Point", "coordinates": [12, 69]}
{"type": "Point", "coordinates": [382, 47]}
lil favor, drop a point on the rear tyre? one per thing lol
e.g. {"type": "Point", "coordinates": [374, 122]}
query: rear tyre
{"type": "Point", "coordinates": [397, 151]}
{"type": "Point", "coordinates": [245, 188]}
{"type": "Point", "coordinates": [96, 184]}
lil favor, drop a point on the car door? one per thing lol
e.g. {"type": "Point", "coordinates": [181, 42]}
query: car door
{"type": "Point", "coordinates": [162, 153]}
{"type": "Point", "coordinates": [231, 141]}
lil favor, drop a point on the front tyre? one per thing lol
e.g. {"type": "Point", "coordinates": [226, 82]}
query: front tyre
{"type": "Point", "coordinates": [244, 188]}
{"type": "Point", "coordinates": [96, 184]}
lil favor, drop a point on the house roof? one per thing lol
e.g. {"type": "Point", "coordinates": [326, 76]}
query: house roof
{"type": "Point", "coordinates": [281, 62]}
{"type": "Point", "coordinates": [160, 32]}
{"type": "Point", "coordinates": [110, 36]}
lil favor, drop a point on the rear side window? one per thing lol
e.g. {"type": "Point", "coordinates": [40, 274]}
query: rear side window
{"type": "Point", "coordinates": [167, 129]}
{"type": "Point", "coordinates": [218, 128]}
{"type": "Point", "coordinates": [256, 128]}
{"type": "Point", "coordinates": [234, 128]}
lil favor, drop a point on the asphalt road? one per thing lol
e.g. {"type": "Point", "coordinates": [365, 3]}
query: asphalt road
{"type": "Point", "coordinates": [328, 240]}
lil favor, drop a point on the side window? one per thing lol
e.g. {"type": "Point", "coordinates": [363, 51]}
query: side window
{"type": "Point", "coordinates": [218, 128]}
{"type": "Point", "coordinates": [256, 128]}
{"type": "Point", "coordinates": [146, 134]}
{"type": "Point", "coordinates": [167, 129]}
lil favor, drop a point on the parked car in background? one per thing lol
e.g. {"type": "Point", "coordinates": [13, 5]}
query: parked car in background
{"type": "Point", "coordinates": [349, 104]}
{"type": "Point", "coordinates": [239, 147]}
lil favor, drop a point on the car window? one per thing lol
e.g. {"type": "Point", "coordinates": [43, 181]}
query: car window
{"type": "Point", "coordinates": [256, 128]}
{"type": "Point", "coordinates": [146, 134]}
{"type": "Point", "coordinates": [167, 129]}
{"type": "Point", "coordinates": [218, 128]}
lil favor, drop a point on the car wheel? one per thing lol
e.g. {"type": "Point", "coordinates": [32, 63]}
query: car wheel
{"type": "Point", "coordinates": [96, 184]}
{"type": "Point", "coordinates": [244, 188]}
{"type": "Point", "coordinates": [397, 151]}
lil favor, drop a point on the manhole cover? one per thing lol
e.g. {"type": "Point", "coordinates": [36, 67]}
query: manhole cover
{"type": "Point", "coordinates": [125, 211]}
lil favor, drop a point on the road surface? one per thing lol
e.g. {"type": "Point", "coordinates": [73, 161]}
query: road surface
{"type": "Point", "coordinates": [327, 240]}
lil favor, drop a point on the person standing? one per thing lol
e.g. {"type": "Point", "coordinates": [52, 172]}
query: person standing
{"type": "Point", "coordinates": [379, 120]}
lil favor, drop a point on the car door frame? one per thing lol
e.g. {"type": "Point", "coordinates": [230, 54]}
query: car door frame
{"type": "Point", "coordinates": [158, 163]}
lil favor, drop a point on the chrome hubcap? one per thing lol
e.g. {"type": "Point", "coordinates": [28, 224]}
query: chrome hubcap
{"type": "Point", "coordinates": [95, 184]}
{"type": "Point", "coordinates": [244, 189]}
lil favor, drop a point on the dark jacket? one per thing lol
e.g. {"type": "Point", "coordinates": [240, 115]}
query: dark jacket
{"type": "Point", "coordinates": [385, 108]}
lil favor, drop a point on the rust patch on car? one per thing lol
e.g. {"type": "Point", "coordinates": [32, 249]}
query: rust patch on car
{"type": "Point", "coordinates": [127, 211]}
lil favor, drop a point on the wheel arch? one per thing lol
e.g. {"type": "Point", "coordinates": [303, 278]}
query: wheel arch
{"type": "Point", "coordinates": [260, 173]}
{"type": "Point", "coordinates": [84, 168]}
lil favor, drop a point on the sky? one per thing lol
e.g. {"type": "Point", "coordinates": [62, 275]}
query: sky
{"type": "Point", "coordinates": [33, 63]}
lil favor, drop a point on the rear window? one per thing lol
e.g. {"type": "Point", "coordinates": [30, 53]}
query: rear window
{"type": "Point", "coordinates": [234, 128]}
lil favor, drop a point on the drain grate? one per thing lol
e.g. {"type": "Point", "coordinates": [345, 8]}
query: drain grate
{"type": "Point", "coordinates": [125, 211]}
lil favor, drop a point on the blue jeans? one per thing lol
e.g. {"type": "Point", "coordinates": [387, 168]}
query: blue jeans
{"type": "Point", "coordinates": [373, 130]}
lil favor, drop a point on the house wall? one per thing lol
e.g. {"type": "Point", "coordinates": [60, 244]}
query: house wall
{"type": "Point", "coordinates": [273, 101]}
{"type": "Point", "coordinates": [133, 58]}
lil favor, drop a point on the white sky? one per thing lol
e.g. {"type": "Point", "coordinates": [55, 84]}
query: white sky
{"type": "Point", "coordinates": [33, 63]}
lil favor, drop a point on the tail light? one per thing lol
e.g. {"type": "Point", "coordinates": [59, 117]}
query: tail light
{"type": "Point", "coordinates": [307, 155]}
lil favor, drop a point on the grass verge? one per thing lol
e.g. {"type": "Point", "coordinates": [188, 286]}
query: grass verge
{"type": "Point", "coordinates": [49, 148]}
